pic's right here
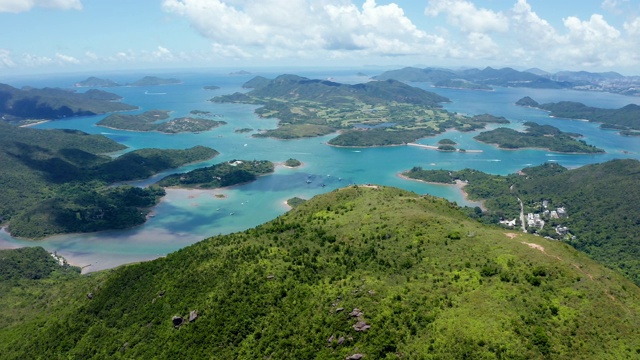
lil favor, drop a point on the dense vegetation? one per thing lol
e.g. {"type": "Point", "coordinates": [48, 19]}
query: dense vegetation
{"type": "Point", "coordinates": [295, 201]}
{"type": "Point", "coordinates": [537, 136]}
{"type": "Point", "coordinates": [54, 103]}
{"type": "Point", "coordinates": [219, 175]}
{"type": "Point", "coordinates": [292, 162]}
{"type": "Point", "coordinates": [55, 181]}
{"type": "Point", "coordinates": [601, 201]}
{"type": "Point", "coordinates": [374, 271]}
{"type": "Point", "coordinates": [31, 263]}
{"type": "Point", "coordinates": [625, 118]}
{"type": "Point", "coordinates": [153, 121]}
{"type": "Point", "coordinates": [384, 112]}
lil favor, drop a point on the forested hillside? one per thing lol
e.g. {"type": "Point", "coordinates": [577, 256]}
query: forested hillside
{"type": "Point", "coordinates": [367, 272]}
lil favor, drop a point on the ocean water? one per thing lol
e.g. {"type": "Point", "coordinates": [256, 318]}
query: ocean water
{"type": "Point", "coordinates": [187, 216]}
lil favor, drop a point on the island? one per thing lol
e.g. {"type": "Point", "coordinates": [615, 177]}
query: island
{"type": "Point", "coordinates": [19, 105]}
{"type": "Point", "coordinates": [228, 173]}
{"type": "Point", "coordinates": [593, 208]}
{"type": "Point", "coordinates": [292, 163]}
{"type": "Point", "coordinates": [376, 113]}
{"type": "Point", "coordinates": [60, 181]}
{"type": "Point", "coordinates": [626, 118]}
{"type": "Point", "coordinates": [153, 121]}
{"type": "Point", "coordinates": [154, 81]}
{"type": "Point", "coordinates": [93, 81]}
{"type": "Point", "coordinates": [537, 136]}
{"type": "Point", "coordinates": [211, 87]}
{"type": "Point", "coordinates": [239, 73]}
{"type": "Point", "coordinates": [243, 130]}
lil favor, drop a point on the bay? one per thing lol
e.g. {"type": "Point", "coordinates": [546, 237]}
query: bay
{"type": "Point", "coordinates": [187, 216]}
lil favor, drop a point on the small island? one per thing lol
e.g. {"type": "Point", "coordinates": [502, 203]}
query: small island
{"type": "Point", "coordinates": [211, 87]}
{"type": "Point", "coordinates": [447, 145]}
{"type": "Point", "coordinates": [228, 173]}
{"type": "Point", "coordinates": [292, 163]}
{"type": "Point", "coordinates": [625, 118]}
{"type": "Point", "coordinates": [538, 136]}
{"type": "Point", "coordinates": [154, 81]}
{"type": "Point", "coordinates": [243, 130]}
{"type": "Point", "coordinates": [152, 121]}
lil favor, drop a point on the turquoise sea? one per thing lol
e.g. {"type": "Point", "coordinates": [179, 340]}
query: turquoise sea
{"type": "Point", "coordinates": [187, 216]}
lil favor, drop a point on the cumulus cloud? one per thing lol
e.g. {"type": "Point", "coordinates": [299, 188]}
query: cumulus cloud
{"type": "Point", "coordinates": [6, 59]}
{"type": "Point", "coordinates": [280, 28]}
{"type": "Point", "coordinates": [17, 6]}
{"type": "Point", "coordinates": [66, 59]}
{"type": "Point", "coordinates": [465, 15]}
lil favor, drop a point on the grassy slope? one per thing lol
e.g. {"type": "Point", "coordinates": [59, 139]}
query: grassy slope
{"type": "Point", "coordinates": [431, 282]}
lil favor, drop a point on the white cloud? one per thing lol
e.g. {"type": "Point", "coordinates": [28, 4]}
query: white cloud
{"type": "Point", "coordinates": [307, 28]}
{"type": "Point", "coordinates": [468, 17]}
{"type": "Point", "coordinates": [633, 27]}
{"type": "Point", "coordinates": [17, 6]}
{"type": "Point", "coordinates": [5, 59]}
{"type": "Point", "coordinates": [66, 59]}
{"type": "Point", "coordinates": [32, 60]}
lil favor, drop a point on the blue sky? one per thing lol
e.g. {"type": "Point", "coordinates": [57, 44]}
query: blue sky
{"type": "Point", "coordinates": [52, 36]}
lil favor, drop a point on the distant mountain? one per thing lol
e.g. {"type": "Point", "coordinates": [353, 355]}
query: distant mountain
{"type": "Point", "coordinates": [154, 81]}
{"type": "Point", "coordinates": [411, 74]}
{"type": "Point", "coordinates": [55, 103]}
{"type": "Point", "coordinates": [239, 73]}
{"type": "Point", "coordinates": [487, 76]}
{"type": "Point", "coordinates": [374, 92]}
{"type": "Point", "coordinates": [96, 82]}
{"type": "Point", "coordinates": [362, 272]}
{"type": "Point", "coordinates": [538, 72]}
{"type": "Point", "coordinates": [585, 76]}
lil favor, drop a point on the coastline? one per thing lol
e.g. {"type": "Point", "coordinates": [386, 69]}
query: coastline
{"type": "Point", "coordinates": [35, 123]}
{"type": "Point", "coordinates": [459, 184]}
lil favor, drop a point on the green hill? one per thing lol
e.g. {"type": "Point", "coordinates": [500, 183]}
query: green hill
{"type": "Point", "coordinates": [379, 272]}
